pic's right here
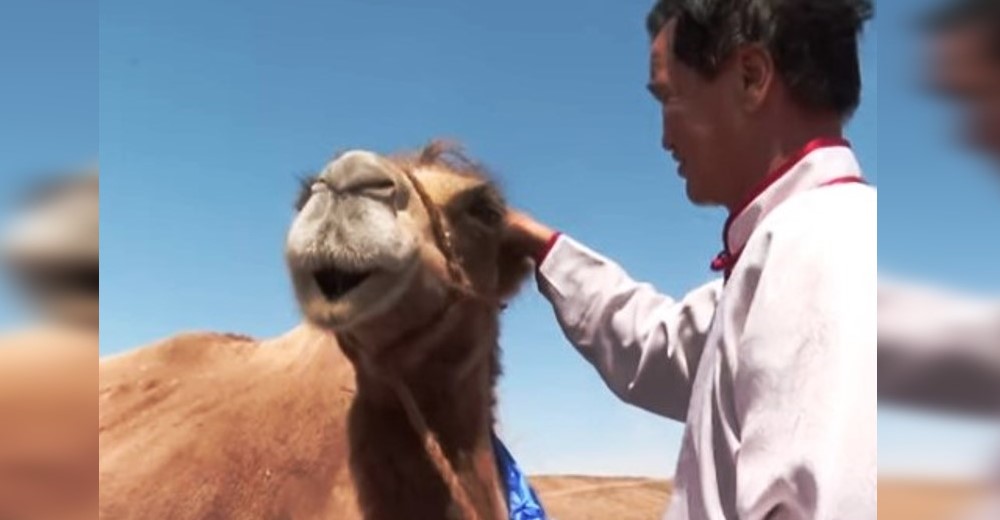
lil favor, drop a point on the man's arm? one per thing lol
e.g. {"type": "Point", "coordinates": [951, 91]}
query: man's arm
{"type": "Point", "coordinates": [645, 345]}
{"type": "Point", "coordinates": [938, 350]}
{"type": "Point", "coordinates": [805, 379]}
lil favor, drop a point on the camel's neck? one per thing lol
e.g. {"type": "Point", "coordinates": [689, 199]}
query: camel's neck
{"type": "Point", "coordinates": [453, 389]}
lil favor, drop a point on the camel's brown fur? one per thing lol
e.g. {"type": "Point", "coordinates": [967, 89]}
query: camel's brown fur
{"type": "Point", "coordinates": [213, 426]}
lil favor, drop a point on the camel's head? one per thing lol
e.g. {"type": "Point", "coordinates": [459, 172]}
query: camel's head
{"type": "Point", "coordinates": [380, 239]}
{"type": "Point", "coordinates": [52, 248]}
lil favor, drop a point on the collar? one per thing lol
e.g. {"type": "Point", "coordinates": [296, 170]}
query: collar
{"type": "Point", "coordinates": [821, 162]}
{"type": "Point", "coordinates": [522, 502]}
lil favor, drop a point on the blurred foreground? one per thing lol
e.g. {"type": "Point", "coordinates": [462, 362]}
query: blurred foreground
{"type": "Point", "coordinates": [49, 251]}
{"type": "Point", "coordinates": [939, 349]}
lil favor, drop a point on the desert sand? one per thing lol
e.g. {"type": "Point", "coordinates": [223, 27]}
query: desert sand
{"type": "Point", "coordinates": [592, 498]}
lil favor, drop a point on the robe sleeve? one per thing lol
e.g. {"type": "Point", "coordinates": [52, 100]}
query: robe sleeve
{"type": "Point", "coordinates": [645, 345]}
{"type": "Point", "coordinates": [805, 380]}
{"type": "Point", "coordinates": [938, 350]}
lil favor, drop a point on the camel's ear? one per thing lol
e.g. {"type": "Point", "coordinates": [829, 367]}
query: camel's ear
{"type": "Point", "coordinates": [514, 265]}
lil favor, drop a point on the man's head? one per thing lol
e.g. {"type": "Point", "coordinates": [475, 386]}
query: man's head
{"type": "Point", "coordinates": [729, 73]}
{"type": "Point", "coordinates": [964, 51]}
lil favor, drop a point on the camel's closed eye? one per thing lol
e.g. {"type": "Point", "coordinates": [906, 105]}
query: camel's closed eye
{"type": "Point", "coordinates": [305, 191]}
{"type": "Point", "coordinates": [485, 206]}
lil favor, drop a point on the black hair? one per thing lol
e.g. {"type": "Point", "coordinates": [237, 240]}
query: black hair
{"type": "Point", "coordinates": [814, 43]}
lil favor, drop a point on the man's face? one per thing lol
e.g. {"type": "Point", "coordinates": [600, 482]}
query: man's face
{"type": "Point", "coordinates": [964, 69]}
{"type": "Point", "coordinates": [698, 122]}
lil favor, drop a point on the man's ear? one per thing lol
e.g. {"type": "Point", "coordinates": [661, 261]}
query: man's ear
{"type": "Point", "coordinates": [757, 72]}
{"type": "Point", "coordinates": [514, 265]}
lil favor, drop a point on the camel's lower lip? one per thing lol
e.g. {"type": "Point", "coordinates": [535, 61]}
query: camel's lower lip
{"type": "Point", "coordinates": [336, 283]}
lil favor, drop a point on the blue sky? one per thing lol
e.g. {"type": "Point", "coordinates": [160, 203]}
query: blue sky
{"type": "Point", "coordinates": [209, 111]}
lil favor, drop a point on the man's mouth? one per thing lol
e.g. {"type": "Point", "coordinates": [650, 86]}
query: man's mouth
{"type": "Point", "coordinates": [336, 283]}
{"type": "Point", "coordinates": [679, 163]}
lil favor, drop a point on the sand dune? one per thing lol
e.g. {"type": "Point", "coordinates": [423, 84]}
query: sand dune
{"type": "Point", "coordinates": [912, 499]}
{"type": "Point", "coordinates": [592, 498]}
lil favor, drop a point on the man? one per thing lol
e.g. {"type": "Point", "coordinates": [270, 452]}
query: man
{"type": "Point", "coordinates": [937, 348]}
{"type": "Point", "coordinates": [773, 368]}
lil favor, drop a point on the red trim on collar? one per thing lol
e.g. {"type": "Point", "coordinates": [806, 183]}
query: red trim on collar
{"type": "Point", "coordinates": [847, 179]}
{"type": "Point", "coordinates": [778, 173]}
{"type": "Point", "coordinates": [726, 259]}
{"type": "Point", "coordinates": [542, 253]}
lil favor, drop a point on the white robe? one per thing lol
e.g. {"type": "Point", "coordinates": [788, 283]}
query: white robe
{"type": "Point", "coordinates": [774, 373]}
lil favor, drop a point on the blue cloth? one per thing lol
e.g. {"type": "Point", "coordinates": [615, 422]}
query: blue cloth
{"type": "Point", "coordinates": [522, 502]}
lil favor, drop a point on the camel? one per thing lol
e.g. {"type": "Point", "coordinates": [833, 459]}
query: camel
{"type": "Point", "coordinates": [400, 265]}
{"type": "Point", "coordinates": [48, 456]}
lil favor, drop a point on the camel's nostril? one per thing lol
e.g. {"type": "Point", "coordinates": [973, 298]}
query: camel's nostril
{"type": "Point", "coordinates": [375, 188]}
{"type": "Point", "coordinates": [361, 173]}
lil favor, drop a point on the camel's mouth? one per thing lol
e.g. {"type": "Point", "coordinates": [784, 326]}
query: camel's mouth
{"type": "Point", "coordinates": [83, 279]}
{"type": "Point", "coordinates": [336, 283]}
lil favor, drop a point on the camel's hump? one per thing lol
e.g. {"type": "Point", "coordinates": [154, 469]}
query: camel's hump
{"type": "Point", "coordinates": [203, 366]}
{"type": "Point", "coordinates": [188, 349]}
{"type": "Point", "coordinates": [244, 422]}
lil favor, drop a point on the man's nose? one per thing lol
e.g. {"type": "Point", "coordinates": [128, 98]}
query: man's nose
{"type": "Point", "coordinates": [665, 140]}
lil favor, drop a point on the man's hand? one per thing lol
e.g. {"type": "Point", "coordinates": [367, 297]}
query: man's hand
{"type": "Point", "coordinates": [527, 235]}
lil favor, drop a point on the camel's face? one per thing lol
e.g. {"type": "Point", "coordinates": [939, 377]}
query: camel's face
{"type": "Point", "coordinates": [53, 249]}
{"type": "Point", "coordinates": [363, 242]}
